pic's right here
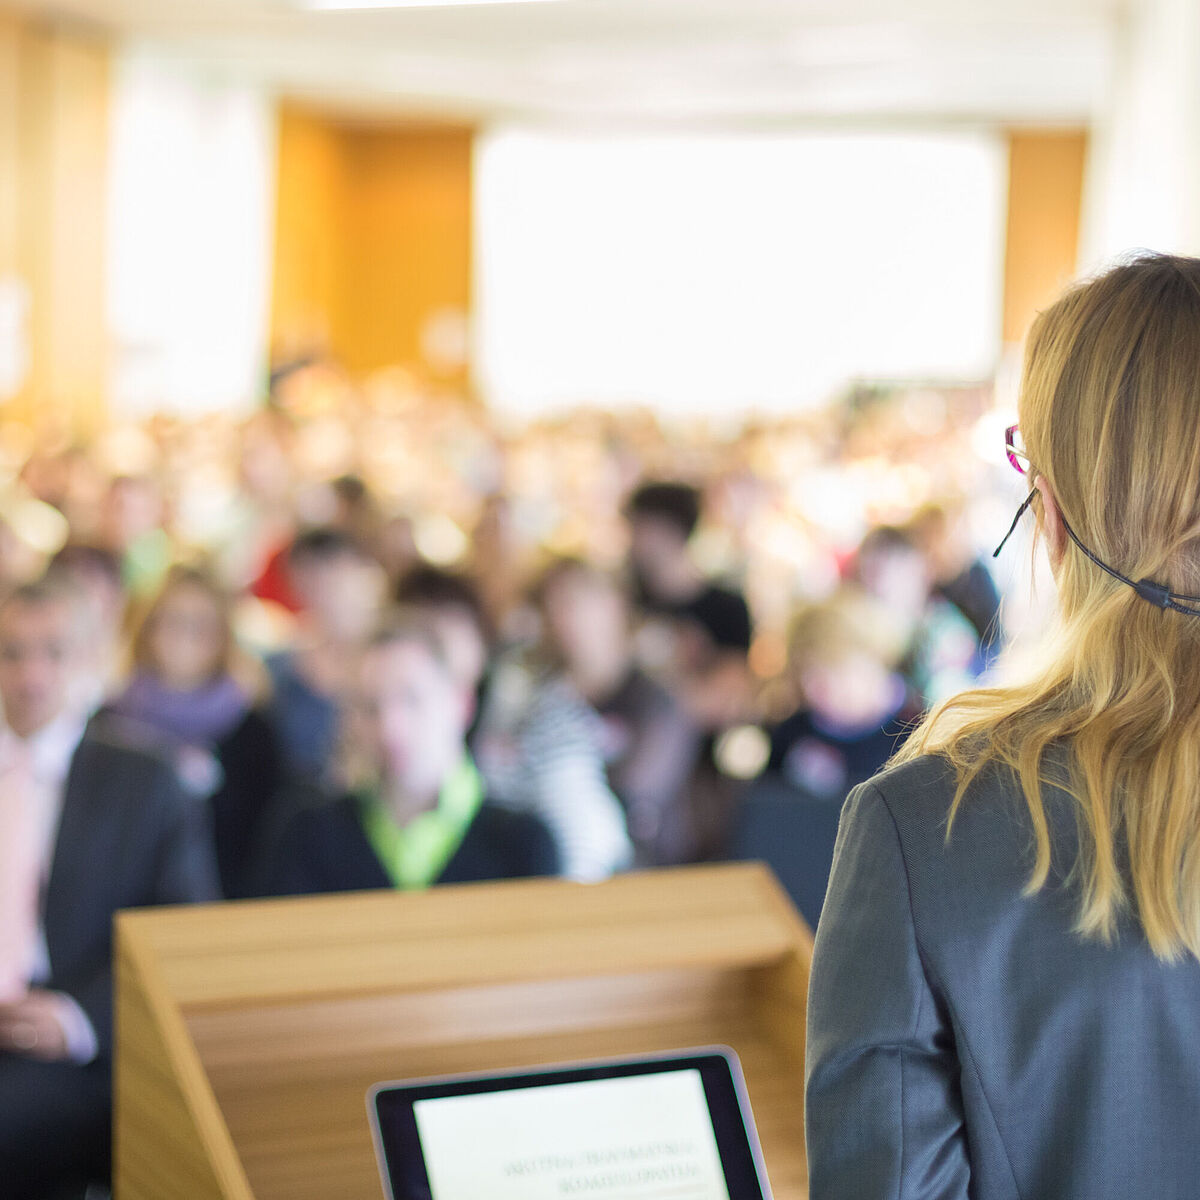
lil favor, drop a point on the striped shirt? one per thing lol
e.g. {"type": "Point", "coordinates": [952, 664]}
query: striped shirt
{"type": "Point", "coordinates": [538, 748]}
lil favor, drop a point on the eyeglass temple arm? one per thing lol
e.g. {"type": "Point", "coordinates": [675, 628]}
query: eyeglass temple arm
{"type": "Point", "coordinates": [1013, 527]}
{"type": "Point", "coordinates": [1157, 594]}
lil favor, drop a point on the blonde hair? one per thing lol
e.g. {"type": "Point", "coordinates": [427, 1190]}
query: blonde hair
{"type": "Point", "coordinates": [851, 620]}
{"type": "Point", "coordinates": [1110, 415]}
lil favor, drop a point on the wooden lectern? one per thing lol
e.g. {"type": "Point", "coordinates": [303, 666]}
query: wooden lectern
{"type": "Point", "coordinates": [248, 1034]}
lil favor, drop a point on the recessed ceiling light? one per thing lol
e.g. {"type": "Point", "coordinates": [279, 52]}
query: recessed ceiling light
{"type": "Point", "coordinates": [352, 5]}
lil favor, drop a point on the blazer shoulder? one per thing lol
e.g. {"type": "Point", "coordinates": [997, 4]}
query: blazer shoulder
{"type": "Point", "coordinates": [916, 776]}
{"type": "Point", "coordinates": [919, 794]}
{"type": "Point", "coordinates": [984, 852]}
{"type": "Point", "coordinates": [926, 786]}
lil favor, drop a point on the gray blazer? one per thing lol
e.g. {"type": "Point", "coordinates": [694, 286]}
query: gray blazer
{"type": "Point", "coordinates": [962, 1041]}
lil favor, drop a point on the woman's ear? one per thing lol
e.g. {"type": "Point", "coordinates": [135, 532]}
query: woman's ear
{"type": "Point", "coordinates": [1052, 525]}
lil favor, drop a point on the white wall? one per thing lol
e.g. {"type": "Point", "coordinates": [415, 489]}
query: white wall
{"type": "Point", "coordinates": [1143, 185]}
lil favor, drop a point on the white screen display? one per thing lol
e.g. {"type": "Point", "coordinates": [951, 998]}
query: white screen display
{"type": "Point", "coordinates": [708, 273]}
{"type": "Point", "coordinates": [645, 1137]}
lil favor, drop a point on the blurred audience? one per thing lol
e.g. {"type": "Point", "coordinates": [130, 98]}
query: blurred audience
{"type": "Point", "coordinates": [23, 535]}
{"type": "Point", "coordinates": [960, 574]}
{"type": "Point", "coordinates": [539, 749]}
{"type": "Point", "coordinates": [412, 810]}
{"type": "Point", "coordinates": [941, 652]}
{"type": "Point", "coordinates": [599, 702]}
{"type": "Point", "coordinates": [354, 510]}
{"type": "Point", "coordinates": [89, 826]}
{"type": "Point", "coordinates": [131, 526]}
{"type": "Point", "coordinates": [95, 574]}
{"type": "Point", "coordinates": [339, 588]}
{"type": "Point", "coordinates": [648, 741]}
{"type": "Point", "coordinates": [498, 562]}
{"type": "Point", "coordinates": [530, 730]}
{"type": "Point", "coordinates": [853, 711]}
{"type": "Point", "coordinates": [702, 636]}
{"type": "Point", "coordinates": [259, 719]}
{"type": "Point", "coordinates": [451, 605]}
{"type": "Point", "coordinates": [695, 638]}
{"type": "Point", "coordinates": [397, 548]}
{"type": "Point", "coordinates": [191, 687]}
{"type": "Point", "coordinates": [843, 655]}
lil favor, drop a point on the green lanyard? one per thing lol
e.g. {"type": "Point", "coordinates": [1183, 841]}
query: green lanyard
{"type": "Point", "coordinates": [415, 855]}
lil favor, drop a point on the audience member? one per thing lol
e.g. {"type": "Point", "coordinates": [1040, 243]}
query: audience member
{"type": "Point", "coordinates": [95, 575]}
{"type": "Point", "coordinates": [396, 547]}
{"type": "Point", "coordinates": [854, 710]}
{"type": "Point", "coordinates": [261, 522]}
{"type": "Point", "coordinates": [344, 505]}
{"type": "Point", "coordinates": [498, 561]}
{"type": "Point", "coordinates": [70, 480]}
{"type": "Point", "coordinates": [192, 687]}
{"type": "Point", "coordinates": [132, 526]}
{"type": "Point", "coordinates": [451, 605]}
{"type": "Point", "coordinates": [339, 587]}
{"type": "Point", "coordinates": [960, 575]}
{"type": "Point", "coordinates": [538, 746]}
{"type": "Point", "coordinates": [413, 810]}
{"type": "Point", "coordinates": [708, 632]}
{"type": "Point", "coordinates": [941, 654]}
{"type": "Point", "coordinates": [354, 508]}
{"type": "Point", "coordinates": [842, 658]}
{"type": "Point", "coordinates": [649, 743]}
{"type": "Point", "coordinates": [89, 826]}
{"type": "Point", "coordinates": [531, 734]}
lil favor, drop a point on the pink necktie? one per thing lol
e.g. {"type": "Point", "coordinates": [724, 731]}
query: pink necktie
{"type": "Point", "coordinates": [20, 870]}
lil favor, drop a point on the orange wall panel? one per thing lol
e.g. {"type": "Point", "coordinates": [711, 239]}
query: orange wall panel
{"type": "Point", "coordinates": [73, 364]}
{"type": "Point", "coordinates": [54, 90]}
{"type": "Point", "coordinates": [409, 238]}
{"type": "Point", "coordinates": [1045, 191]}
{"type": "Point", "coordinates": [373, 236]}
{"type": "Point", "coordinates": [308, 229]}
{"type": "Point", "coordinates": [10, 36]}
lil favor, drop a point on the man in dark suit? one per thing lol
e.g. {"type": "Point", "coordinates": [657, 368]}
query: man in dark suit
{"type": "Point", "coordinates": [413, 812]}
{"type": "Point", "coordinates": [88, 826]}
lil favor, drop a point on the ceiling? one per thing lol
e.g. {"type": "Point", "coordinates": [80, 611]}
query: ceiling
{"type": "Point", "coordinates": [730, 63]}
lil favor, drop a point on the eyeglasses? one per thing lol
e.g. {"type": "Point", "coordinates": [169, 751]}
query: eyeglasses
{"type": "Point", "coordinates": [1014, 447]}
{"type": "Point", "coordinates": [1157, 594]}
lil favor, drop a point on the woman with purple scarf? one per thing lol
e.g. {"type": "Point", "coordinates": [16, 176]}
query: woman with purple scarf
{"type": "Point", "coordinates": [187, 693]}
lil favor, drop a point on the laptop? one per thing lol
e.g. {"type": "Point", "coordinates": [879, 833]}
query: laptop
{"type": "Point", "coordinates": [672, 1126]}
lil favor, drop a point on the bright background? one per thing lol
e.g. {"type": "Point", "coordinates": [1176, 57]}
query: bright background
{"type": "Point", "coordinates": [707, 206]}
{"type": "Point", "coordinates": [745, 273]}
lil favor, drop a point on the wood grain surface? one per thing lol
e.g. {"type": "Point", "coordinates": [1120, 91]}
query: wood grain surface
{"type": "Point", "coordinates": [248, 1034]}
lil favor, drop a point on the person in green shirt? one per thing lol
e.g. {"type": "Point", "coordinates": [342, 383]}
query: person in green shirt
{"type": "Point", "coordinates": [412, 811]}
